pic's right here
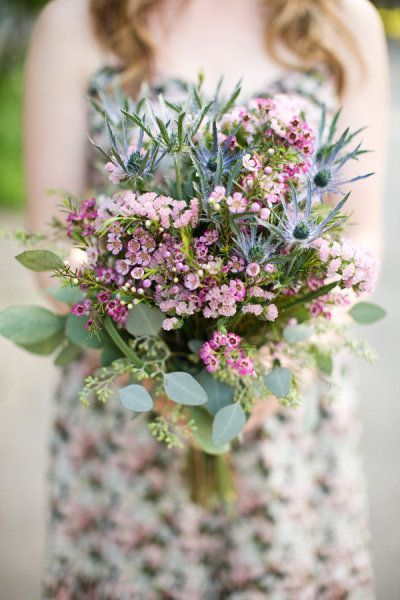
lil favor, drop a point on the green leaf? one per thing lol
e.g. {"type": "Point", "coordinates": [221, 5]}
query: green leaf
{"type": "Point", "coordinates": [297, 333]}
{"type": "Point", "coordinates": [182, 388]}
{"type": "Point", "coordinates": [219, 394]}
{"type": "Point", "coordinates": [77, 334]}
{"type": "Point", "coordinates": [144, 320]}
{"type": "Point", "coordinates": [195, 345]}
{"type": "Point", "coordinates": [324, 362]}
{"type": "Point", "coordinates": [366, 313]}
{"type": "Point", "coordinates": [47, 346]}
{"type": "Point", "coordinates": [29, 325]}
{"type": "Point", "coordinates": [228, 423]}
{"type": "Point", "coordinates": [203, 432]}
{"type": "Point", "coordinates": [70, 294]}
{"type": "Point", "coordinates": [136, 398]}
{"type": "Point", "coordinates": [279, 381]}
{"type": "Point", "coordinates": [109, 354]}
{"type": "Point", "coordinates": [40, 260]}
{"type": "Point", "coordinates": [69, 353]}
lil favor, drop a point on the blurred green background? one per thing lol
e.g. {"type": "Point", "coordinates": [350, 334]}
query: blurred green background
{"type": "Point", "coordinates": [16, 19]}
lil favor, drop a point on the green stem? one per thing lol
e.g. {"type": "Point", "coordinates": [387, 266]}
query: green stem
{"type": "Point", "coordinates": [121, 344]}
{"type": "Point", "coordinates": [178, 176]}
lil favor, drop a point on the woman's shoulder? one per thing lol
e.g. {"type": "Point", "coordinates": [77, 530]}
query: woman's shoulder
{"type": "Point", "coordinates": [65, 27]}
{"type": "Point", "coordinates": [362, 18]}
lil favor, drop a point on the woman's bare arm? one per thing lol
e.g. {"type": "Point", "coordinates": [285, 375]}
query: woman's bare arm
{"type": "Point", "coordinates": [366, 105]}
{"type": "Point", "coordinates": [61, 58]}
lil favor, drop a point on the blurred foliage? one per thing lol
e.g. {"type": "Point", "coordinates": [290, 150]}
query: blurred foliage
{"type": "Point", "coordinates": [11, 183]}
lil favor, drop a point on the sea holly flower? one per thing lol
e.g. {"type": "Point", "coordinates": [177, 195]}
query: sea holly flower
{"type": "Point", "coordinates": [297, 226]}
{"type": "Point", "coordinates": [331, 157]}
{"type": "Point", "coordinates": [254, 246]}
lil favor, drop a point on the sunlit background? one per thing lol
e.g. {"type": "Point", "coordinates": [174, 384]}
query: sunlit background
{"type": "Point", "coordinates": [27, 382]}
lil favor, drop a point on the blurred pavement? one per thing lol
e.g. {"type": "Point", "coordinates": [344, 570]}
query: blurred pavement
{"type": "Point", "coordinates": [27, 383]}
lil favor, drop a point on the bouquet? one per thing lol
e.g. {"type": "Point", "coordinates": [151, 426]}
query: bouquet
{"type": "Point", "coordinates": [212, 273]}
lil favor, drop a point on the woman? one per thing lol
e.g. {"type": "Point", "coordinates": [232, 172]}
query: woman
{"type": "Point", "coordinates": [123, 525]}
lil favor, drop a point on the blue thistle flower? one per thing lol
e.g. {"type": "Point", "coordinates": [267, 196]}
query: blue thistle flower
{"type": "Point", "coordinates": [298, 226]}
{"type": "Point", "coordinates": [330, 159]}
{"type": "Point", "coordinates": [253, 246]}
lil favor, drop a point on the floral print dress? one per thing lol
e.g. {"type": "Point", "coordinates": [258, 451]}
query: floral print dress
{"type": "Point", "coordinates": [123, 526]}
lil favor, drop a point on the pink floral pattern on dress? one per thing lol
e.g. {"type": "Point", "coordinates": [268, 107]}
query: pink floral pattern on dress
{"type": "Point", "coordinates": [124, 528]}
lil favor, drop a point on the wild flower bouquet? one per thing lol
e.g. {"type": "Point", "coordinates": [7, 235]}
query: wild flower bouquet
{"type": "Point", "coordinates": [217, 239]}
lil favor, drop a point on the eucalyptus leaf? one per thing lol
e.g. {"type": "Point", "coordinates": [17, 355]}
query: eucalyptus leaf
{"type": "Point", "coordinates": [228, 423]}
{"type": "Point", "coordinates": [70, 294]}
{"type": "Point", "coordinates": [366, 313]}
{"type": "Point", "coordinates": [203, 432]}
{"type": "Point", "coordinates": [77, 334]}
{"type": "Point", "coordinates": [109, 354]}
{"type": "Point", "coordinates": [144, 320]}
{"type": "Point", "coordinates": [297, 333]}
{"type": "Point", "coordinates": [46, 347]}
{"type": "Point", "coordinates": [136, 398]}
{"type": "Point", "coordinates": [182, 388]}
{"type": "Point", "coordinates": [29, 325]}
{"type": "Point", "coordinates": [69, 353]}
{"type": "Point", "coordinates": [324, 362]}
{"type": "Point", "coordinates": [195, 345]}
{"type": "Point", "coordinates": [40, 260]}
{"type": "Point", "coordinates": [279, 381]}
{"type": "Point", "coordinates": [219, 394]}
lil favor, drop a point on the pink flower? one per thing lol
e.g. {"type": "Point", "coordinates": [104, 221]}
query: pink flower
{"type": "Point", "coordinates": [253, 269]}
{"type": "Point", "coordinates": [237, 203]}
{"type": "Point", "coordinates": [103, 297]}
{"type": "Point", "coordinates": [169, 324]}
{"type": "Point", "coordinates": [192, 281]}
{"type": "Point", "coordinates": [137, 273]}
{"type": "Point", "coordinates": [271, 312]}
{"type": "Point", "coordinates": [81, 309]}
{"type": "Point", "coordinates": [254, 309]}
{"type": "Point", "coordinates": [251, 163]}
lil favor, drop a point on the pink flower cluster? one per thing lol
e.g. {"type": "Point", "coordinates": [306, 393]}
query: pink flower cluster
{"type": "Point", "coordinates": [356, 268]}
{"type": "Point", "coordinates": [160, 209]}
{"type": "Point", "coordinates": [85, 218]}
{"type": "Point", "coordinates": [225, 347]}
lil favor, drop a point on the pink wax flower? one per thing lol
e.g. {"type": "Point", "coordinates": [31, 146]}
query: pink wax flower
{"type": "Point", "coordinates": [192, 281]}
{"type": "Point", "coordinates": [237, 203]}
{"type": "Point", "coordinates": [251, 162]}
{"type": "Point", "coordinates": [81, 309]}
{"type": "Point", "coordinates": [137, 273]}
{"type": "Point", "coordinates": [271, 312]}
{"type": "Point", "coordinates": [253, 269]}
{"type": "Point", "coordinates": [103, 297]}
{"type": "Point", "coordinates": [170, 323]}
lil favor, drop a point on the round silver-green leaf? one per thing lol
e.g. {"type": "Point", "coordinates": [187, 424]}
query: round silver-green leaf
{"type": "Point", "coordinates": [182, 388]}
{"type": "Point", "coordinates": [297, 333]}
{"type": "Point", "coordinates": [279, 381]}
{"type": "Point", "coordinates": [29, 325]}
{"type": "Point", "coordinates": [228, 423]}
{"type": "Point", "coordinates": [366, 313]}
{"type": "Point", "coordinates": [144, 320]}
{"type": "Point", "coordinates": [219, 394]}
{"type": "Point", "coordinates": [136, 398]}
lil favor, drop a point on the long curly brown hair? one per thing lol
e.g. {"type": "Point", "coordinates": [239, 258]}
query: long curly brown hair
{"type": "Point", "coordinates": [297, 25]}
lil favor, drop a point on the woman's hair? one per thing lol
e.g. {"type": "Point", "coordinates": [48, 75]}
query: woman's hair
{"type": "Point", "coordinates": [295, 33]}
